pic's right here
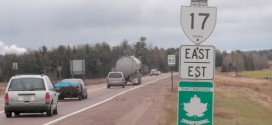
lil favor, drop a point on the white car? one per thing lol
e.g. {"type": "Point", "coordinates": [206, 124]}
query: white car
{"type": "Point", "coordinates": [30, 94]}
{"type": "Point", "coordinates": [115, 79]}
{"type": "Point", "coordinates": [155, 72]}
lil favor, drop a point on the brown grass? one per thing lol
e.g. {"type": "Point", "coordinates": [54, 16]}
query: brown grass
{"type": "Point", "coordinates": [224, 113]}
{"type": "Point", "coordinates": [169, 115]}
{"type": "Point", "coordinates": [250, 88]}
{"type": "Point", "coordinates": [2, 88]}
{"type": "Point", "coordinates": [95, 81]}
{"type": "Point", "coordinates": [228, 88]}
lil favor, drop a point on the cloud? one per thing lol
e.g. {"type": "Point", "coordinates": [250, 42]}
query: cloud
{"type": "Point", "coordinates": [12, 49]}
{"type": "Point", "coordinates": [31, 24]}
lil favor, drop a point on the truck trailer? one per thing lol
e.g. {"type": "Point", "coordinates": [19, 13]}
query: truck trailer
{"type": "Point", "coordinates": [130, 66]}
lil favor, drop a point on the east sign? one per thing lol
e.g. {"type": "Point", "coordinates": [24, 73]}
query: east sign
{"type": "Point", "coordinates": [196, 62]}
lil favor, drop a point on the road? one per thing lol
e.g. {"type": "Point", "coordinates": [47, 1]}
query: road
{"type": "Point", "coordinates": [132, 105]}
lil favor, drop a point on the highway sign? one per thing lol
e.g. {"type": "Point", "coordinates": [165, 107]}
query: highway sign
{"type": "Point", "coordinates": [171, 60]}
{"type": "Point", "coordinates": [196, 62]}
{"type": "Point", "coordinates": [77, 67]}
{"type": "Point", "coordinates": [198, 22]}
{"type": "Point", "coordinates": [15, 66]}
{"type": "Point", "coordinates": [195, 103]}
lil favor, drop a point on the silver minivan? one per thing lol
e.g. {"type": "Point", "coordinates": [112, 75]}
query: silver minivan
{"type": "Point", "coordinates": [115, 79]}
{"type": "Point", "coordinates": [30, 94]}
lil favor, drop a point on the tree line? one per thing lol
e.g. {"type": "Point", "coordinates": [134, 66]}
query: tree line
{"type": "Point", "coordinates": [99, 59]}
{"type": "Point", "coordinates": [238, 61]}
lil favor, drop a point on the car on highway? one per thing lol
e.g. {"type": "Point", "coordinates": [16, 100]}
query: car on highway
{"type": "Point", "coordinates": [30, 94]}
{"type": "Point", "coordinates": [72, 88]}
{"type": "Point", "coordinates": [155, 72]}
{"type": "Point", "coordinates": [115, 79]}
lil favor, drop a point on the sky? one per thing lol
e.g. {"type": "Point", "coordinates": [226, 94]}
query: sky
{"type": "Point", "coordinates": [30, 24]}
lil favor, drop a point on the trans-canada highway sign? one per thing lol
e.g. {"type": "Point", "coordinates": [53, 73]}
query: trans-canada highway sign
{"type": "Point", "coordinates": [195, 103]}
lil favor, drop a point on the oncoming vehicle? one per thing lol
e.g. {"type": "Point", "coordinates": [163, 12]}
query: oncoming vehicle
{"type": "Point", "coordinates": [115, 79]}
{"type": "Point", "coordinates": [158, 72]}
{"type": "Point", "coordinates": [72, 88]}
{"type": "Point", "coordinates": [155, 72]}
{"type": "Point", "coordinates": [30, 94]}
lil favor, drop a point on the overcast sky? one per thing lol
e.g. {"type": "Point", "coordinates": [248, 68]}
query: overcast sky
{"type": "Point", "coordinates": [30, 24]}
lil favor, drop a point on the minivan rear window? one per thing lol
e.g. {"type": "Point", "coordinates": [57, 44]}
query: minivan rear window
{"type": "Point", "coordinates": [115, 75]}
{"type": "Point", "coordinates": [27, 84]}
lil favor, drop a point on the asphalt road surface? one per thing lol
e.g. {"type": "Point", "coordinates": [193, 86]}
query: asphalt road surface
{"type": "Point", "coordinates": [132, 105]}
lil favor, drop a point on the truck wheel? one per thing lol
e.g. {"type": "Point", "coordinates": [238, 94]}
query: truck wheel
{"type": "Point", "coordinates": [108, 86]}
{"type": "Point", "coordinates": [17, 113]}
{"type": "Point", "coordinates": [123, 86]}
{"type": "Point", "coordinates": [8, 114]}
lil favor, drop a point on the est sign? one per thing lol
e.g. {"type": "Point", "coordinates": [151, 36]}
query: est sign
{"type": "Point", "coordinates": [196, 62]}
{"type": "Point", "coordinates": [198, 22]}
{"type": "Point", "coordinates": [171, 60]}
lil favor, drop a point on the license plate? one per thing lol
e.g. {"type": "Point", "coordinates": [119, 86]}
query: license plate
{"type": "Point", "coordinates": [26, 98]}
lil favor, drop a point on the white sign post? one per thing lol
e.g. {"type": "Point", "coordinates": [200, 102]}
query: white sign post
{"type": "Point", "coordinates": [171, 60]}
{"type": "Point", "coordinates": [77, 67]}
{"type": "Point", "coordinates": [171, 63]}
{"type": "Point", "coordinates": [197, 62]}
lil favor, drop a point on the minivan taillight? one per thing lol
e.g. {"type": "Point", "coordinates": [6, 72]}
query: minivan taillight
{"type": "Point", "coordinates": [47, 97]}
{"type": "Point", "coordinates": [6, 98]}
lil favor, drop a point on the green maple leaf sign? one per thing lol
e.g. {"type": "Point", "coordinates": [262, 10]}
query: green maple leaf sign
{"type": "Point", "coordinates": [195, 107]}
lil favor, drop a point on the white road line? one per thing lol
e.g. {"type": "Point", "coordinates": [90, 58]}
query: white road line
{"type": "Point", "coordinates": [99, 103]}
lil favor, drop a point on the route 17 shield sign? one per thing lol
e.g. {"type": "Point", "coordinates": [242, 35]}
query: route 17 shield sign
{"type": "Point", "coordinates": [198, 22]}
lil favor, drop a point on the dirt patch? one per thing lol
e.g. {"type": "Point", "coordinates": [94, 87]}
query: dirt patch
{"type": "Point", "coordinates": [95, 81]}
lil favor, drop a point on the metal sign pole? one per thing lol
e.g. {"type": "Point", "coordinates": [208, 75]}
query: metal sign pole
{"type": "Point", "coordinates": [172, 79]}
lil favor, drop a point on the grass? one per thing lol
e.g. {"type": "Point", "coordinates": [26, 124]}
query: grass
{"type": "Point", "coordinates": [238, 101]}
{"type": "Point", "coordinates": [169, 116]}
{"type": "Point", "coordinates": [240, 111]}
{"type": "Point", "coordinates": [258, 73]}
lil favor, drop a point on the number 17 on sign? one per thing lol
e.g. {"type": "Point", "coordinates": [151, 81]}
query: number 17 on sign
{"type": "Point", "coordinates": [198, 22]}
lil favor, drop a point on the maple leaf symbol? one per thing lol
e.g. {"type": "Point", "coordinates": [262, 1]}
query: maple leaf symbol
{"type": "Point", "coordinates": [195, 107]}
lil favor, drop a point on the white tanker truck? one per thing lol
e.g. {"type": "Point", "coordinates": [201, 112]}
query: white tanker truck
{"type": "Point", "coordinates": [130, 66]}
